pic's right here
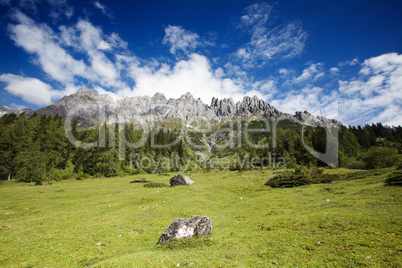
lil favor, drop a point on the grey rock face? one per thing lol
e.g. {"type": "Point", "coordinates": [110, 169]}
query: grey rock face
{"type": "Point", "coordinates": [184, 228]}
{"type": "Point", "coordinates": [88, 103]}
{"type": "Point", "coordinates": [306, 117]}
{"type": "Point", "coordinates": [180, 179]}
{"type": "Point", "coordinates": [6, 110]}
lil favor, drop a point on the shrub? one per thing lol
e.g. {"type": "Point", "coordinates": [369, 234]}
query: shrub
{"type": "Point", "coordinates": [81, 176]}
{"type": "Point", "coordinates": [291, 164]}
{"type": "Point", "coordinates": [155, 185]}
{"type": "Point", "coordinates": [353, 163]}
{"type": "Point", "coordinates": [300, 176]}
{"type": "Point", "coordinates": [395, 178]}
{"type": "Point", "coordinates": [377, 157]}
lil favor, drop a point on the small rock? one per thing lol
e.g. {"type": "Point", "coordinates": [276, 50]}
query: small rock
{"type": "Point", "coordinates": [180, 179]}
{"type": "Point", "coordinates": [183, 228]}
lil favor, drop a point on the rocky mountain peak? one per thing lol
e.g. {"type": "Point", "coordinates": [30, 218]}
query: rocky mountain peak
{"type": "Point", "coordinates": [159, 98]}
{"type": "Point", "coordinates": [186, 97]}
{"type": "Point", "coordinates": [85, 91]}
{"type": "Point", "coordinates": [159, 108]}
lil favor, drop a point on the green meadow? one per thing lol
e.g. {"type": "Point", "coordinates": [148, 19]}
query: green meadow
{"type": "Point", "coordinates": [110, 222]}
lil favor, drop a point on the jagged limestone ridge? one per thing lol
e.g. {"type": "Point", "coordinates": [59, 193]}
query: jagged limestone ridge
{"type": "Point", "coordinates": [150, 109]}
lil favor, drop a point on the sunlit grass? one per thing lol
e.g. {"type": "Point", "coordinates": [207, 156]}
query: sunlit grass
{"type": "Point", "coordinates": [112, 223]}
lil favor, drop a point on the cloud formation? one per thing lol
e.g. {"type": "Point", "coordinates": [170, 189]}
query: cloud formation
{"type": "Point", "coordinates": [376, 93]}
{"type": "Point", "coordinates": [31, 90]}
{"type": "Point", "coordinates": [194, 75]}
{"type": "Point", "coordinates": [180, 39]}
{"type": "Point", "coordinates": [268, 44]}
{"type": "Point", "coordinates": [92, 63]}
{"type": "Point", "coordinates": [106, 11]}
{"type": "Point", "coordinates": [310, 74]}
{"type": "Point", "coordinates": [40, 41]}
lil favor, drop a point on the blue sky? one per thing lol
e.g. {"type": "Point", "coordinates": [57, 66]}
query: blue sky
{"type": "Point", "coordinates": [340, 59]}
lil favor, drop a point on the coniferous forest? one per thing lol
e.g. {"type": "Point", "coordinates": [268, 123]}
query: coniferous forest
{"type": "Point", "coordinates": [36, 149]}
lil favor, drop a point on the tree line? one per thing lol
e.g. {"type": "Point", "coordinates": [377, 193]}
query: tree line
{"type": "Point", "coordinates": [36, 149]}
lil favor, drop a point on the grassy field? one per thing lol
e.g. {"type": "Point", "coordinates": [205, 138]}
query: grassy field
{"type": "Point", "coordinates": [112, 223]}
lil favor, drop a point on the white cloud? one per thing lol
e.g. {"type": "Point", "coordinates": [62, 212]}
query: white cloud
{"type": "Point", "coordinates": [17, 106]}
{"type": "Point", "coordinates": [181, 39]}
{"type": "Point", "coordinates": [91, 41]}
{"type": "Point", "coordinates": [194, 75]}
{"type": "Point", "coordinates": [103, 45]}
{"type": "Point", "coordinates": [264, 89]}
{"type": "Point", "coordinates": [256, 14]}
{"type": "Point", "coordinates": [376, 94]}
{"type": "Point", "coordinates": [334, 70]}
{"type": "Point", "coordinates": [106, 11]}
{"type": "Point", "coordinates": [284, 71]}
{"type": "Point", "coordinates": [69, 12]}
{"type": "Point", "coordinates": [353, 62]}
{"type": "Point", "coordinates": [47, 46]}
{"type": "Point", "coordinates": [89, 35]}
{"type": "Point", "coordinates": [235, 70]}
{"type": "Point", "coordinates": [39, 40]}
{"type": "Point", "coordinates": [314, 71]}
{"type": "Point", "coordinates": [281, 42]}
{"type": "Point", "coordinates": [31, 90]}
{"type": "Point", "coordinates": [306, 99]}
{"type": "Point", "coordinates": [116, 42]}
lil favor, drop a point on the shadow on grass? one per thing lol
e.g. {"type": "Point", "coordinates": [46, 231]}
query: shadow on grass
{"type": "Point", "coordinates": [186, 243]}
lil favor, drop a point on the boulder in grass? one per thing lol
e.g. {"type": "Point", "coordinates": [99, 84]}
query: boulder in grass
{"type": "Point", "coordinates": [184, 228]}
{"type": "Point", "coordinates": [180, 179]}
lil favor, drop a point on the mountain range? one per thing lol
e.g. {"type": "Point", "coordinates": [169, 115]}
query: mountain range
{"type": "Point", "coordinates": [88, 105]}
